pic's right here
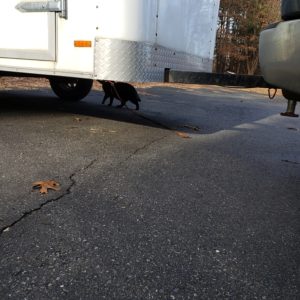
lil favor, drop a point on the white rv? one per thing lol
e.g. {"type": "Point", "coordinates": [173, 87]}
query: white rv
{"type": "Point", "coordinates": [74, 42]}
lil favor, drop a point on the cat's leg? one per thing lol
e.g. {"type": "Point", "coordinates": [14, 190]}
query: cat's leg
{"type": "Point", "coordinates": [111, 101]}
{"type": "Point", "coordinates": [122, 104]}
{"type": "Point", "coordinates": [104, 98]}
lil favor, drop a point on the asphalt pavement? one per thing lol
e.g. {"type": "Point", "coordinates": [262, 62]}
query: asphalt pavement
{"type": "Point", "coordinates": [196, 196]}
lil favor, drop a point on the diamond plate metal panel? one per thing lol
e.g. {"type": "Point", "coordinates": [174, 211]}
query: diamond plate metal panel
{"type": "Point", "coordinates": [137, 61]}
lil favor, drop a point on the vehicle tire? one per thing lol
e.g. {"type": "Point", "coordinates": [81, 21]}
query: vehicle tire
{"type": "Point", "coordinates": [70, 89]}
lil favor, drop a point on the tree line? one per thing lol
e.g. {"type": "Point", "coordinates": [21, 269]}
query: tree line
{"type": "Point", "coordinates": [240, 22]}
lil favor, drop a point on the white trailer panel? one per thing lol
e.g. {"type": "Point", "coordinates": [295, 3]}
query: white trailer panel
{"type": "Point", "coordinates": [26, 36]}
{"type": "Point", "coordinates": [131, 40]}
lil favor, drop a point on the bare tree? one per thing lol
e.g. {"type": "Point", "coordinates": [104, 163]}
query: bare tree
{"type": "Point", "coordinates": [240, 22]}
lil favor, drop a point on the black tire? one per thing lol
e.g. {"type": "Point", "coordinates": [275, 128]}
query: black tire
{"type": "Point", "coordinates": [70, 89]}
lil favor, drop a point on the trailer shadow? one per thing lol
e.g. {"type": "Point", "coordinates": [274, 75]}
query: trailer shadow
{"type": "Point", "coordinates": [203, 111]}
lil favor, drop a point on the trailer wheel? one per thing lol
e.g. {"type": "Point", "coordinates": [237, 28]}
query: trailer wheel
{"type": "Point", "coordinates": [70, 89]}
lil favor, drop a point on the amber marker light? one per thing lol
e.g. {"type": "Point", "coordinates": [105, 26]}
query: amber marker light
{"type": "Point", "coordinates": [83, 44]}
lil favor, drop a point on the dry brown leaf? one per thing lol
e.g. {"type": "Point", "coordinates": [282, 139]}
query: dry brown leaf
{"type": "Point", "coordinates": [183, 135]}
{"type": "Point", "coordinates": [45, 185]}
{"type": "Point", "coordinates": [77, 119]}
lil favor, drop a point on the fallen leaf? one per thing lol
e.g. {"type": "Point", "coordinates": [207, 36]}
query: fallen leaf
{"type": "Point", "coordinates": [183, 135]}
{"type": "Point", "coordinates": [77, 119]}
{"type": "Point", "coordinates": [45, 185]}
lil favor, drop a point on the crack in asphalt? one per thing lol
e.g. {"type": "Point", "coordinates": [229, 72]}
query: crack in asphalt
{"type": "Point", "coordinates": [67, 192]}
{"type": "Point", "coordinates": [157, 123]}
{"type": "Point", "coordinates": [144, 147]}
{"type": "Point", "coordinates": [73, 181]}
{"type": "Point", "coordinates": [291, 162]}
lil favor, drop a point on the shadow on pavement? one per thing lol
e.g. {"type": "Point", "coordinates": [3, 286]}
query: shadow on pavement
{"type": "Point", "coordinates": [192, 111]}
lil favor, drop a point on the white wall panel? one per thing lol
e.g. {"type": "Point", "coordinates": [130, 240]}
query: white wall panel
{"type": "Point", "coordinates": [188, 25]}
{"type": "Point", "coordinates": [26, 35]}
{"type": "Point", "coordinates": [132, 20]}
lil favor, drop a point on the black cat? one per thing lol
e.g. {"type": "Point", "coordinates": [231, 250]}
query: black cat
{"type": "Point", "coordinates": [120, 90]}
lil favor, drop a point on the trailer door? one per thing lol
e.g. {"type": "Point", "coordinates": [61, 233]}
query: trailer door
{"type": "Point", "coordinates": [28, 29]}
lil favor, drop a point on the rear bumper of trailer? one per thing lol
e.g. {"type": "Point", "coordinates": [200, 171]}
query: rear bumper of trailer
{"type": "Point", "coordinates": [140, 61]}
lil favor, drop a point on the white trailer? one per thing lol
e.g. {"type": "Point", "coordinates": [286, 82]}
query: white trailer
{"type": "Point", "coordinates": [74, 42]}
